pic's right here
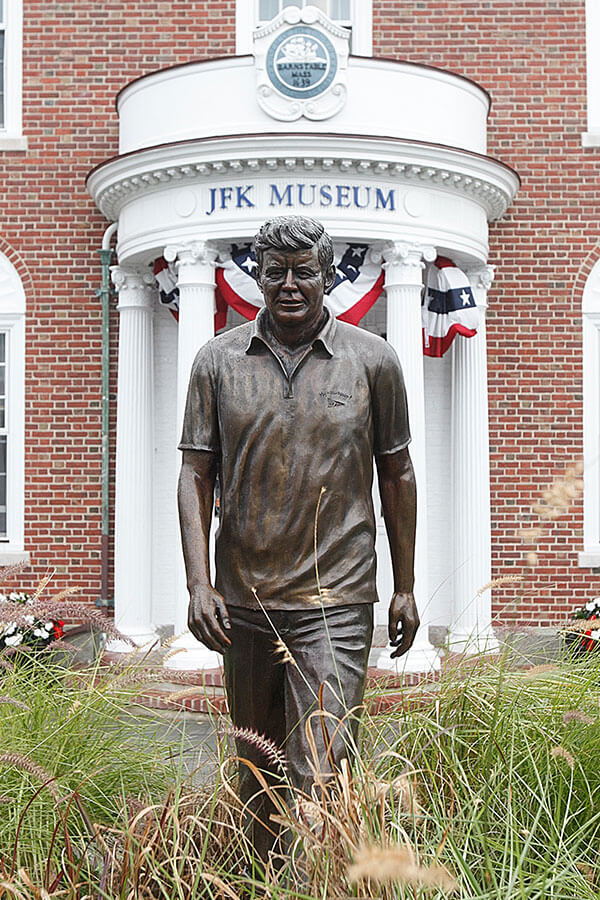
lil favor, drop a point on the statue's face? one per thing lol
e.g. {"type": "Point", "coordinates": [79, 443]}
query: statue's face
{"type": "Point", "coordinates": [293, 285]}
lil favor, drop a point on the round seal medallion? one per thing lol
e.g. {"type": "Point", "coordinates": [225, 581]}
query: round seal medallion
{"type": "Point", "coordinates": [301, 63]}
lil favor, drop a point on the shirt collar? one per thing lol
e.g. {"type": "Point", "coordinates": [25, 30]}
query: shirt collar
{"type": "Point", "coordinates": [324, 338]}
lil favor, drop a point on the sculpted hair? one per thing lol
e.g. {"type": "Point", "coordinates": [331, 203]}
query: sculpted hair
{"type": "Point", "coordinates": [294, 233]}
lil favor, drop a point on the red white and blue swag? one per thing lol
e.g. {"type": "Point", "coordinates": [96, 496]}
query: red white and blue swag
{"type": "Point", "coordinates": [448, 307]}
{"type": "Point", "coordinates": [358, 284]}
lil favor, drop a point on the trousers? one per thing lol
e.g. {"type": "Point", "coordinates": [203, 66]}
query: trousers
{"type": "Point", "coordinates": [282, 666]}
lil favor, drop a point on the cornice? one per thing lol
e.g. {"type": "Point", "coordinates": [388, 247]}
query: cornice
{"type": "Point", "coordinates": [480, 178]}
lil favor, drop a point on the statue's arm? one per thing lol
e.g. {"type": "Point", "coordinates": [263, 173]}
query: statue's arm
{"type": "Point", "coordinates": [207, 618]}
{"type": "Point", "coordinates": [398, 493]}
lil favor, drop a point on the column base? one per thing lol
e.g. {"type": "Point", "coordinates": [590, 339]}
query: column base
{"type": "Point", "coordinates": [473, 643]}
{"type": "Point", "coordinates": [191, 655]}
{"type": "Point", "coordinates": [143, 640]}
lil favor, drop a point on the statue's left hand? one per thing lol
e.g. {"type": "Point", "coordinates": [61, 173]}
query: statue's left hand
{"type": "Point", "coordinates": [403, 622]}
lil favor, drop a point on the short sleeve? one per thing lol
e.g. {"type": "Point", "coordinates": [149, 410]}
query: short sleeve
{"type": "Point", "coordinates": [390, 410]}
{"type": "Point", "coordinates": [200, 420]}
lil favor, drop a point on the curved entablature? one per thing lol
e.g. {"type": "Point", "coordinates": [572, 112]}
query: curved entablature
{"type": "Point", "coordinates": [364, 188]}
{"type": "Point", "coordinates": [219, 97]}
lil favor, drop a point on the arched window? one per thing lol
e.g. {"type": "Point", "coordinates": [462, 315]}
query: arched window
{"type": "Point", "coordinates": [591, 419]}
{"type": "Point", "coordinates": [11, 74]}
{"type": "Point", "coordinates": [12, 413]}
{"type": "Point", "coordinates": [356, 15]}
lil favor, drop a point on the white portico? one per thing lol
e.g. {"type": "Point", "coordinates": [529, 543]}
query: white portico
{"type": "Point", "coordinates": [384, 153]}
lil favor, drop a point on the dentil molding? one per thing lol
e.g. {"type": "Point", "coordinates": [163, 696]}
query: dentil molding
{"type": "Point", "coordinates": [488, 182]}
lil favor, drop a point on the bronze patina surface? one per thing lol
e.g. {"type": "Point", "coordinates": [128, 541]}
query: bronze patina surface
{"type": "Point", "coordinates": [288, 444]}
{"type": "Point", "coordinates": [290, 412]}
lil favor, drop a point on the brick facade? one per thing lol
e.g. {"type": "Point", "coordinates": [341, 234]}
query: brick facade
{"type": "Point", "coordinates": [529, 55]}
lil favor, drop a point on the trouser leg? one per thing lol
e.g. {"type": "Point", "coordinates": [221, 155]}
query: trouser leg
{"type": "Point", "coordinates": [254, 683]}
{"type": "Point", "coordinates": [330, 648]}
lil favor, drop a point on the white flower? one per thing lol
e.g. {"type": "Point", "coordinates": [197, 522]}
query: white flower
{"type": "Point", "coordinates": [29, 619]}
{"type": "Point", "coordinates": [590, 605]}
{"type": "Point", "coordinates": [40, 632]}
{"type": "Point", "coordinates": [595, 635]}
{"type": "Point", "coordinates": [49, 626]}
{"type": "Point", "coordinates": [14, 640]}
{"type": "Point", "coordinates": [3, 598]}
{"type": "Point", "coordinates": [8, 629]}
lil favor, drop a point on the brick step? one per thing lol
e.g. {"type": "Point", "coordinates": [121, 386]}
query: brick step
{"type": "Point", "coordinates": [202, 691]}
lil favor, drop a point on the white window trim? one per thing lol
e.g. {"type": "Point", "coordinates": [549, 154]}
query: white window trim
{"type": "Point", "coordinates": [591, 420]}
{"type": "Point", "coordinates": [591, 137]}
{"type": "Point", "coordinates": [11, 136]}
{"type": "Point", "coordinates": [12, 321]}
{"type": "Point", "coordinates": [362, 26]}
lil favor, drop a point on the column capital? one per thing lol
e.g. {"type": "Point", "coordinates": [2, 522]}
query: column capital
{"type": "Point", "coordinates": [481, 278]}
{"type": "Point", "coordinates": [136, 289]}
{"type": "Point", "coordinates": [193, 253]}
{"type": "Point", "coordinates": [404, 261]}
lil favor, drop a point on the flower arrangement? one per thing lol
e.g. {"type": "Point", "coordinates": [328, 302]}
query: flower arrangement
{"type": "Point", "coordinates": [27, 630]}
{"type": "Point", "coordinates": [583, 638]}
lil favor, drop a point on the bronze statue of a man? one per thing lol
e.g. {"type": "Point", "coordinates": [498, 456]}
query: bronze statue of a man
{"type": "Point", "coordinates": [289, 411]}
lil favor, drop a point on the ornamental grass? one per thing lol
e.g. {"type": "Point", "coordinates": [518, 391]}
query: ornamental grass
{"type": "Point", "coordinates": [485, 787]}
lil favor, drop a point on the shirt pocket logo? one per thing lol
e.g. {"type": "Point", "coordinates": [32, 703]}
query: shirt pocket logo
{"type": "Point", "coordinates": [335, 398]}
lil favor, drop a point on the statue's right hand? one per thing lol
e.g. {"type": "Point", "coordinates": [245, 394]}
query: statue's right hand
{"type": "Point", "coordinates": [208, 619]}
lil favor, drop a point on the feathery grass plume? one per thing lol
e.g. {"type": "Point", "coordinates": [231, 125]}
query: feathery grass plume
{"type": "Point", "coordinates": [47, 611]}
{"type": "Point", "coordinates": [499, 582]}
{"type": "Point", "coordinates": [559, 752]}
{"type": "Point", "coordinates": [173, 652]}
{"type": "Point", "coordinates": [43, 583]}
{"type": "Point", "coordinates": [580, 625]}
{"type": "Point", "coordinates": [541, 669]}
{"type": "Point", "coordinates": [404, 789]}
{"type": "Point", "coordinates": [576, 715]}
{"type": "Point", "coordinates": [268, 749]}
{"type": "Point", "coordinates": [18, 761]}
{"type": "Point", "coordinates": [282, 650]}
{"type": "Point", "coordinates": [7, 573]}
{"type": "Point", "coordinates": [385, 865]}
{"type": "Point", "coordinates": [12, 701]}
{"type": "Point", "coordinates": [176, 696]}
{"type": "Point", "coordinates": [67, 592]}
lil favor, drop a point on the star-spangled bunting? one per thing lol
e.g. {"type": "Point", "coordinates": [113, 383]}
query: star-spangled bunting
{"type": "Point", "coordinates": [358, 284]}
{"type": "Point", "coordinates": [448, 307]}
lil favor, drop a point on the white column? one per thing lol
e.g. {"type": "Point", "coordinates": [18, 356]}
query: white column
{"type": "Point", "coordinates": [135, 442]}
{"type": "Point", "coordinates": [470, 627]}
{"type": "Point", "coordinates": [196, 282]}
{"type": "Point", "coordinates": [404, 284]}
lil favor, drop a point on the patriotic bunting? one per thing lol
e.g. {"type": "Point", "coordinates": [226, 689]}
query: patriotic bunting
{"type": "Point", "coordinates": [448, 307]}
{"type": "Point", "coordinates": [358, 284]}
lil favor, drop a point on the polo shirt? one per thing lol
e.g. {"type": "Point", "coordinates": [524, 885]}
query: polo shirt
{"type": "Point", "coordinates": [297, 526]}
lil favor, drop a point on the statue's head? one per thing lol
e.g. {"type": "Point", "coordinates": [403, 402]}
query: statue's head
{"type": "Point", "coordinates": [295, 267]}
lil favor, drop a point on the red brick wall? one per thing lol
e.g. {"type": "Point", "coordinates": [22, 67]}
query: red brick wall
{"type": "Point", "coordinates": [76, 58]}
{"type": "Point", "coordinates": [531, 58]}
{"type": "Point", "coordinates": [529, 55]}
